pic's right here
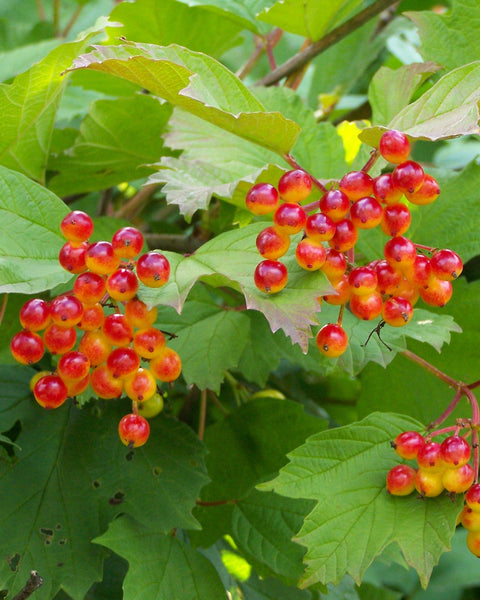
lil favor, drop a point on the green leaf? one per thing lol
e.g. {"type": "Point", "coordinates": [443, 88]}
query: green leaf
{"type": "Point", "coordinates": [309, 18]}
{"type": "Point", "coordinates": [448, 109]}
{"type": "Point", "coordinates": [28, 106]}
{"type": "Point", "coordinates": [272, 589]}
{"type": "Point", "coordinates": [149, 22]}
{"type": "Point", "coordinates": [255, 438]}
{"type": "Point", "coordinates": [73, 475]}
{"type": "Point", "coordinates": [263, 525]}
{"type": "Point", "coordinates": [17, 60]}
{"type": "Point", "coordinates": [230, 259]}
{"type": "Point", "coordinates": [391, 90]}
{"type": "Point", "coordinates": [449, 39]}
{"type": "Point", "coordinates": [31, 238]}
{"type": "Point", "coordinates": [429, 396]}
{"type": "Point", "coordinates": [160, 566]}
{"type": "Point", "coordinates": [210, 340]}
{"type": "Point", "coordinates": [343, 536]}
{"type": "Point", "coordinates": [200, 85]}
{"type": "Point", "coordinates": [243, 13]}
{"type": "Point", "coordinates": [112, 147]}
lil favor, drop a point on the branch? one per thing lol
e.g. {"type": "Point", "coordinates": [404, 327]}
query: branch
{"type": "Point", "coordinates": [334, 36]}
{"type": "Point", "coordinates": [33, 583]}
{"type": "Point", "coordinates": [137, 202]}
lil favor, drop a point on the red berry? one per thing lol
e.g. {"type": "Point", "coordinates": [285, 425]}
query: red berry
{"type": "Point", "coordinates": [153, 269]}
{"type": "Point", "coordinates": [472, 497]}
{"type": "Point", "coordinates": [429, 457]}
{"type": "Point", "coordinates": [385, 190]}
{"type": "Point", "coordinates": [408, 443]}
{"type": "Point", "coordinates": [335, 204]}
{"type": "Point", "coordinates": [141, 385]}
{"type": "Point", "coordinates": [127, 242]}
{"type": "Point", "coordinates": [139, 315]}
{"type": "Point", "coordinates": [473, 542]}
{"type": "Point", "coordinates": [455, 451]}
{"type": "Point", "coordinates": [363, 280]}
{"type": "Point", "coordinates": [104, 384]}
{"type": "Point", "coordinates": [66, 311]}
{"type": "Point", "coordinates": [295, 186]}
{"type": "Point", "coordinates": [394, 146]}
{"type": "Point", "coordinates": [319, 227]}
{"type": "Point", "coordinates": [289, 218]}
{"type": "Point", "coordinates": [50, 391]}
{"type": "Point", "coordinates": [401, 480]}
{"type": "Point", "coordinates": [133, 430]}
{"type": "Point", "coordinates": [429, 483]}
{"type": "Point", "coordinates": [122, 285]}
{"type": "Point", "coordinates": [446, 265]}
{"type": "Point", "coordinates": [419, 273]}
{"type": "Point", "coordinates": [167, 366]}
{"type": "Point", "coordinates": [117, 330]}
{"type": "Point", "coordinates": [470, 519]}
{"type": "Point", "coordinates": [366, 213]}
{"type": "Point", "coordinates": [356, 185]}
{"type": "Point", "coordinates": [332, 340]}
{"type": "Point", "coordinates": [346, 236]}
{"type": "Point", "coordinates": [262, 199]}
{"type": "Point", "coordinates": [388, 278]}
{"type": "Point", "coordinates": [408, 176]}
{"type": "Point", "coordinates": [459, 479]}
{"type": "Point", "coordinates": [72, 258]}
{"type": "Point", "coordinates": [123, 362]}
{"type": "Point", "coordinates": [310, 254]}
{"type": "Point", "coordinates": [397, 311]}
{"type": "Point", "coordinates": [343, 292]}
{"type": "Point", "coordinates": [149, 342]}
{"type": "Point", "coordinates": [426, 194]}
{"type": "Point", "coordinates": [77, 226]}
{"type": "Point", "coordinates": [272, 243]}
{"type": "Point", "coordinates": [335, 265]}
{"type": "Point", "coordinates": [35, 314]}
{"type": "Point", "coordinates": [89, 288]}
{"type": "Point", "coordinates": [73, 366]}
{"type": "Point", "coordinates": [93, 317]}
{"type": "Point", "coordinates": [366, 307]}
{"type": "Point", "coordinates": [101, 259]}
{"type": "Point", "coordinates": [95, 346]}
{"type": "Point", "coordinates": [270, 276]}
{"type": "Point", "coordinates": [59, 340]}
{"type": "Point", "coordinates": [396, 219]}
{"type": "Point", "coordinates": [27, 347]}
{"type": "Point", "coordinates": [437, 293]}
{"type": "Point", "coordinates": [400, 252]}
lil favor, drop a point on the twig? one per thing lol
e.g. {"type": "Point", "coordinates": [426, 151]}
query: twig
{"type": "Point", "coordinates": [203, 414]}
{"type": "Point", "coordinates": [174, 242]}
{"type": "Point", "coordinates": [217, 402]}
{"type": "Point", "coordinates": [33, 583]}
{"type": "Point", "coordinates": [73, 18]}
{"type": "Point", "coordinates": [56, 17]}
{"type": "Point", "coordinates": [293, 163]}
{"type": "Point", "coordinates": [41, 10]}
{"type": "Point", "coordinates": [334, 36]}
{"type": "Point", "coordinates": [137, 202]}
{"type": "Point", "coordinates": [261, 44]}
{"type": "Point", "coordinates": [3, 308]}
{"type": "Point", "coordinates": [453, 383]}
{"type": "Point", "coordinates": [447, 412]}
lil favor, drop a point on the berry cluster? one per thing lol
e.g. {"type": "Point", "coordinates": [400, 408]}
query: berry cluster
{"type": "Point", "coordinates": [387, 287]}
{"type": "Point", "coordinates": [111, 342]}
{"type": "Point", "coordinates": [440, 466]}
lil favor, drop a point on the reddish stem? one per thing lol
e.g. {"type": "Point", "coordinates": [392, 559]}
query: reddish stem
{"type": "Point", "coordinates": [447, 412]}
{"type": "Point", "coordinates": [444, 430]}
{"type": "Point", "coordinates": [310, 207]}
{"type": "Point", "coordinates": [293, 163]}
{"type": "Point", "coordinates": [203, 414]}
{"type": "Point", "coordinates": [427, 248]}
{"type": "Point", "coordinates": [453, 383]}
{"type": "Point", "coordinates": [475, 384]}
{"type": "Point", "coordinates": [3, 308]}
{"type": "Point", "coordinates": [374, 155]}
{"type": "Point", "coordinates": [340, 314]}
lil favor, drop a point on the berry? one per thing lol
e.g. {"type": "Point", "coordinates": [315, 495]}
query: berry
{"type": "Point", "coordinates": [272, 243]}
{"type": "Point", "coordinates": [394, 146]}
{"type": "Point", "coordinates": [295, 186]}
{"type": "Point", "coordinates": [332, 340]}
{"type": "Point", "coordinates": [72, 258]}
{"type": "Point", "coordinates": [50, 391]}
{"type": "Point", "coordinates": [363, 280]}
{"type": "Point", "coordinates": [401, 480]}
{"type": "Point", "coordinates": [408, 176]}
{"type": "Point", "coordinates": [270, 276]}
{"type": "Point", "coordinates": [289, 218]}
{"type": "Point", "coordinates": [446, 265]}
{"type": "Point", "coordinates": [167, 366]}
{"type": "Point", "coordinates": [73, 366]}
{"type": "Point", "coordinates": [141, 385]}
{"type": "Point", "coordinates": [95, 346]}
{"type": "Point", "coordinates": [388, 278]}
{"type": "Point", "coordinates": [123, 362]}
{"type": "Point", "coordinates": [408, 443]}
{"type": "Point", "coordinates": [385, 190]}
{"type": "Point", "coordinates": [343, 292]}
{"type": "Point", "coordinates": [122, 285]}
{"type": "Point", "coordinates": [356, 185]}
{"type": "Point", "coordinates": [366, 307]}
{"type": "Point", "coordinates": [153, 269]}
{"type": "Point", "coordinates": [426, 194]}
{"type": "Point", "coordinates": [419, 273]}
{"type": "Point", "coordinates": [152, 407]}
{"type": "Point", "coordinates": [133, 430]}
{"type": "Point", "coordinates": [335, 204]}
{"type": "Point", "coordinates": [77, 226]}
{"type": "Point", "coordinates": [117, 330]}
{"type": "Point", "coordinates": [470, 519]}
{"type": "Point", "coordinates": [104, 384]}
{"type": "Point", "coordinates": [66, 311]}
{"type": "Point", "coordinates": [139, 315]}
{"type": "Point", "coordinates": [366, 213]}
{"type": "Point", "coordinates": [101, 259]}
{"type": "Point", "coordinates": [437, 293]}
{"type": "Point", "coordinates": [35, 314]}
{"type": "Point", "coordinates": [127, 242]}
{"type": "Point", "coordinates": [89, 288]}
{"type": "Point", "coordinates": [346, 236]}
{"type": "Point", "coordinates": [429, 483]}
{"type": "Point", "coordinates": [27, 347]}
{"type": "Point", "coordinates": [335, 265]}
{"type": "Point", "coordinates": [149, 342]}
{"type": "Point", "coordinates": [74, 388]}
{"type": "Point", "coordinates": [473, 542]}
{"type": "Point", "coordinates": [458, 480]}
{"type": "Point", "coordinates": [397, 311]}
{"type": "Point", "coordinates": [455, 451]}
{"type": "Point", "coordinates": [472, 497]}
{"type": "Point", "coordinates": [310, 254]}
{"type": "Point", "coordinates": [59, 340]}
{"type": "Point", "coordinates": [400, 252]}
{"type": "Point", "coordinates": [38, 375]}
{"type": "Point", "coordinates": [93, 317]}
{"type": "Point", "coordinates": [262, 199]}
{"type": "Point", "coordinates": [396, 219]}
{"type": "Point", "coordinates": [429, 458]}
{"type": "Point", "coordinates": [320, 227]}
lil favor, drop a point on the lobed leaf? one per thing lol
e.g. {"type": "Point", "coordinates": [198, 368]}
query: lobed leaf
{"type": "Point", "coordinates": [200, 85]}
{"type": "Point", "coordinates": [355, 519]}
